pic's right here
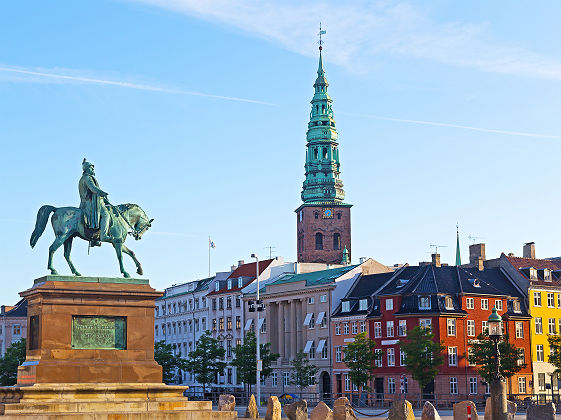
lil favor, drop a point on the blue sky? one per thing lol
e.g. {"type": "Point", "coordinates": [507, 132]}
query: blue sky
{"type": "Point", "coordinates": [447, 112]}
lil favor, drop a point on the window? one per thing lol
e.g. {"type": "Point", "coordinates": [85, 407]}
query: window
{"type": "Point", "coordinates": [484, 304]}
{"type": "Point", "coordinates": [228, 303]}
{"type": "Point", "coordinates": [452, 356]}
{"type": "Point", "coordinates": [473, 385]}
{"type": "Point", "coordinates": [155, 330]}
{"type": "Point", "coordinates": [538, 325]}
{"type": "Point", "coordinates": [229, 323]}
{"type": "Point", "coordinates": [499, 305]}
{"type": "Point", "coordinates": [378, 360]}
{"type": "Point", "coordinates": [229, 348]}
{"type": "Point", "coordinates": [485, 327]}
{"type": "Point", "coordinates": [521, 385]}
{"type": "Point", "coordinates": [217, 286]}
{"type": "Point", "coordinates": [197, 325]}
{"type": "Point", "coordinates": [391, 385]}
{"type": "Point", "coordinates": [516, 305]}
{"type": "Point", "coordinates": [345, 306]}
{"type": "Point", "coordinates": [402, 328]}
{"type": "Point", "coordinates": [319, 241]}
{"type": "Point", "coordinates": [214, 324]}
{"type": "Point", "coordinates": [519, 329]}
{"type": "Point", "coordinates": [539, 353]}
{"type": "Point", "coordinates": [533, 274]}
{"type": "Point", "coordinates": [389, 304]}
{"type": "Point", "coordinates": [221, 324]}
{"type": "Point", "coordinates": [354, 328]}
{"type": "Point", "coordinates": [336, 241]}
{"type": "Point", "coordinates": [220, 303]}
{"type": "Point", "coordinates": [238, 322]}
{"type": "Point", "coordinates": [551, 300]}
{"type": "Point", "coordinates": [547, 274]}
{"type": "Point", "coordinates": [347, 383]}
{"type": "Point", "coordinates": [339, 216]}
{"type": "Point", "coordinates": [425, 323]}
{"type": "Point", "coordinates": [470, 303]}
{"type": "Point", "coordinates": [214, 304]}
{"type": "Point", "coordinates": [522, 359]}
{"type": "Point", "coordinates": [238, 341]}
{"type": "Point", "coordinates": [324, 352]}
{"type": "Point", "coordinates": [285, 378]}
{"type": "Point", "coordinates": [264, 325]}
{"type": "Point", "coordinates": [541, 381]}
{"type": "Point", "coordinates": [312, 323]}
{"type": "Point", "coordinates": [338, 357]}
{"type": "Point", "coordinates": [377, 329]}
{"type": "Point", "coordinates": [363, 304]}
{"type": "Point", "coordinates": [274, 379]}
{"type": "Point", "coordinates": [451, 326]}
{"type": "Point", "coordinates": [323, 298]}
{"type": "Point", "coordinates": [471, 328]}
{"type": "Point", "coordinates": [404, 386]}
{"type": "Point", "coordinates": [537, 299]}
{"type": "Point", "coordinates": [470, 353]}
{"type": "Point", "coordinates": [229, 284]}
{"type": "Point", "coordinates": [391, 356]}
{"type": "Point", "coordinates": [389, 328]}
{"type": "Point", "coordinates": [402, 358]}
{"type": "Point", "coordinates": [346, 328]}
{"type": "Point", "coordinates": [312, 353]}
{"type": "Point", "coordinates": [453, 385]}
{"type": "Point", "coordinates": [424, 302]}
{"type": "Point", "coordinates": [362, 326]}
{"type": "Point", "coordinates": [311, 300]}
{"type": "Point", "coordinates": [551, 325]}
{"type": "Point", "coordinates": [203, 324]}
{"type": "Point", "coordinates": [337, 329]}
{"type": "Point", "coordinates": [448, 302]}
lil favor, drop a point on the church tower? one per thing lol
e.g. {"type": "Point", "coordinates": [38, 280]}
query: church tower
{"type": "Point", "coordinates": [323, 220]}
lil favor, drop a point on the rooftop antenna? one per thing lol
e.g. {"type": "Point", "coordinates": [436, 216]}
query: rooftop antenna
{"type": "Point", "coordinates": [270, 248]}
{"type": "Point", "coordinates": [435, 246]}
{"type": "Point", "coordinates": [321, 32]}
{"type": "Point", "coordinates": [473, 239]}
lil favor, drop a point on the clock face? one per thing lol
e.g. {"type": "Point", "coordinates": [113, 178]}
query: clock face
{"type": "Point", "coordinates": [327, 213]}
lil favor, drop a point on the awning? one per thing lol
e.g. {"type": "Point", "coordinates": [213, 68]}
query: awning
{"type": "Point", "coordinates": [320, 318]}
{"type": "Point", "coordinates": [248, 324]}
{"type": "Point", "coordinates": [308, 346]}
{"type": "Point", "coordinates": [320, 345]}
{"type": "Point", "coordinates": [307, 319]}
{"type": "Point", "coordinates": [261, 321]}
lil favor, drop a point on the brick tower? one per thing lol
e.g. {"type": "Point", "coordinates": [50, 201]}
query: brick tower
{"type": "Point", "coordinates": [323, 220]}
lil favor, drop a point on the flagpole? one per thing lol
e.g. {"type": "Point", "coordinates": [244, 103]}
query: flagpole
{"type": "Point", "coordinates": [209, 256]}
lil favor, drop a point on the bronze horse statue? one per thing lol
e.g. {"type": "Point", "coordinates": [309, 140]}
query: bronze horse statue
{"type": "Point", "coordinates": [68, 223]}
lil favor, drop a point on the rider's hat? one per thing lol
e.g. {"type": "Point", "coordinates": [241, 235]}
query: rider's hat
{"type": "Point", "coordinates": [86, 164]}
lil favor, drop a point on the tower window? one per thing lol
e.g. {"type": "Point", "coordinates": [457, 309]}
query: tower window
{"type": "Point", "coordinates": [315, 153]}
{"type": "Point", "coordinates": [336, 241]}
{"type": "Point", "coordinates": [317, 109]}
{"type": "Point", "coordinates": [323, 109]}
{"type": "Point", "coordinates": [319, 241]}
{"type": "Point", "coordinates": [325, 152]}
{"type": "Point", "coordinates": [339, 216]}
{"type": "Point", "coordinates": [316, 215]}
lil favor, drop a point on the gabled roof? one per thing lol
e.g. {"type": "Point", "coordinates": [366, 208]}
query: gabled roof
{"type": "Point", "coordinates": [20, 310]}
{"type": "Point", "coordinates": [315, 278]}
{"type": "Point", "coordinates": [523, 266]}
{"type": "Point", "coordinates": [247, 272]}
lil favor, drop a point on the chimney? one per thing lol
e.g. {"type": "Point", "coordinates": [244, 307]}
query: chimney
{"type": "Point", "coordinates": [480, 263]}
{"type": "Point", "coordinates": [361, 260]}
{"type": "Point", "coordinates": [476, 251]}
{"type": "Point", "coordinates": [529, 250]}
{"type": "Point", "coordinates": [232, 268]}
{"type": "Point", "coordinates": [240, 263]}
{"type": "Point", "coordinates": [436, 260]}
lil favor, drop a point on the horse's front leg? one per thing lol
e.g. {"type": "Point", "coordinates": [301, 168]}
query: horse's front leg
{"type": "Point", "coordinates": [59, 240]}
{"type": "Point", "coordinates": [127, 251]}
{"type": "Point", "coordinates": [67, 250]}
{"type": "Point", "coordinates": [119, 250]}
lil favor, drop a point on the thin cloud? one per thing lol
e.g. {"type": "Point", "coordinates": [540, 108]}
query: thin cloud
{"type": "Point", "coordinates": [358, 32]}
{"type": "Point", "coordinates": [463, 127]}
{"type": "Point", "coordinates": [81, 79]}
{"type": "Point", "coordinates": [176, 234]}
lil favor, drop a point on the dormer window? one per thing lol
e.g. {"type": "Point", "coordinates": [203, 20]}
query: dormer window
{"type": "Point", "coordinates": [240, 282]}
{"type": "Point", "coordinates": [402, 282]}
{"type": "Point", "coordinates": [533, 273]}
{"type": "Point", "coordinates": [516, 306]}
{"type": "Point", "coordinates": [363, 304]}
{"type": "Point", "coordinates": [229, 284]}
{"type": "Point", "coordinates": [448, 302]}
{"type": "Point", "coordinates": [345, 306]}
{"type": "Point", "coordinates": [474, 282]}
{"type": "Point", "coordinates": [217, 286]}
{"type": "Point", "coordinates": [547, 274]}
{"type": "Point", "coordinates": [424, 302]}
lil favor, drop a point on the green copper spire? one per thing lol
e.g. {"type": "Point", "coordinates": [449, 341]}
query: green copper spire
{"type": "Point", "coordinates": [458, 258]}
{"type": "Point", "coordinates": [322, 184]}
{"type": "Point", "coordinates": [345, 260]}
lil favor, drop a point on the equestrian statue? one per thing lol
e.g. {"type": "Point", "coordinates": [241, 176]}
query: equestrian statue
{"type": "Point", "coordinates": [95, 221]}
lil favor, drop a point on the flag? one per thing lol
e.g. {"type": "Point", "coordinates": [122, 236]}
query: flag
{"type": "Point", "coordinates": [211, 243]}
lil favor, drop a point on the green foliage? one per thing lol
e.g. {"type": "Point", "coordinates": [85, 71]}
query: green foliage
{"type": "Point", "coordinates": [483, 355]}
{"type": "Point", "coordinates": [245, 359]}
{"type": "Point", "coordinates": [14, 357]}
{"type": "Point", "coordinates": [423, 355]}
{"type": "Point", "coordinates": [205, 362]}
{"type": "Point", "coordinates": [360, 359]}
{"type": "Point", "coordinates": [163, 355]}
{"type": "Point", "coordinates": [555, 347]}
{"type": "Point", "coordinates": [302, 372]}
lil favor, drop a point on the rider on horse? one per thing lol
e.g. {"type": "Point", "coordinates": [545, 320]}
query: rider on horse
{"type": "Point", "coordinates": [93, 203]}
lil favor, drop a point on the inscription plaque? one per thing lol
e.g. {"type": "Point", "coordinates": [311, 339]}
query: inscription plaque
{"type": "Point", "coordinates": [99, 332]}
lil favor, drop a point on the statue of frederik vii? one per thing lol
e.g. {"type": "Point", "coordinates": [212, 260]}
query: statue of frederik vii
{"type": "Point", "coordinates": [96, 221]}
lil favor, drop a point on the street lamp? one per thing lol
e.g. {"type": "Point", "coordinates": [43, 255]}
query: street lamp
{"type": "Point", "coordinates": [498, 385]}
{"type": "Point", "coordinates": [257, 333]}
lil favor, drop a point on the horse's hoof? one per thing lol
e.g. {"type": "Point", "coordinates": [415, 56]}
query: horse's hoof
{"type": "Point", "coordinates": [139, 271]}
{"type": "Point", "coordinates": [77, 274]}
{"type": "Point", "coordinates": [126, 275]}
{"type": "Point", "coordinates": [54, 272]}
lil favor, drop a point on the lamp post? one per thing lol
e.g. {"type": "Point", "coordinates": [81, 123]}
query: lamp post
{"type": "Point", "coordinates": [257, 333]}
{"type": "Point", "coordinates": [498, 385]}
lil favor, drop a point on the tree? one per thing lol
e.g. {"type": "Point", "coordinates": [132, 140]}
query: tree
{"type": "Point", "coordinates": [206, 361]}
{"type": "Point", "coordinates": [483, 355]}
{"type": "Point", "coordinates": [360, 358]}
{"type": "Point", "coordinates": [170, 363]}
{"type": "Point", "coordinates": [245, 360]}
{"type": "Point", "coordinates": [14, 357]}
{"type": "Point", "coordinates": [555, 348]}
{"type": "Point", "coordinates": [303, 372]}
{"type": "Point", "coordinates": [423, 355]}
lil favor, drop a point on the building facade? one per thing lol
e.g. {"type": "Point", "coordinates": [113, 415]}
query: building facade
{"type": "Point", "coordinates": [13, 324]}
{"type": "Point", "coordinates": [323, 221]}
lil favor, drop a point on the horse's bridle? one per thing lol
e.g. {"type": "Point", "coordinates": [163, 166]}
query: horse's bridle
{"type": "Point", "coordinates": [135, 233]}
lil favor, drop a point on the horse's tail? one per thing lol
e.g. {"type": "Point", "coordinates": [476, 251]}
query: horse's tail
{"type": "Point", "coordinates": [41, 223]}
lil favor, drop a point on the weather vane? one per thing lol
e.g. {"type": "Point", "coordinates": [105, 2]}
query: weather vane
{"type": "Point", "coordinates": [321, 32]}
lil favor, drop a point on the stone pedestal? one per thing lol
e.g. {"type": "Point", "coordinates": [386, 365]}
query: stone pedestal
{"type": "Point", "coordinates": [90, 355]}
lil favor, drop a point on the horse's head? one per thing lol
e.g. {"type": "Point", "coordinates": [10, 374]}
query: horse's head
{"type": "Point", "coordinates": [138, 220]}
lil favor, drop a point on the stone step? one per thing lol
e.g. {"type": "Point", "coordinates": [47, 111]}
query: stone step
{"type": "Point", "coordinates": [123, 415]}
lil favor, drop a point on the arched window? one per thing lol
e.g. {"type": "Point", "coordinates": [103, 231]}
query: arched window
{"type": "Point", "coordinates": [325, 152]}
{"type": "Point", "coordinates": [339, 216]}
{"type": "Point", "coordinates": [316, 215]}
{"type": "Point", "coordinates": [315, 153]}
{"type": "Point", "coordinates": [319, 241]}
{"type": "Point", "coordinates": [336, 241]}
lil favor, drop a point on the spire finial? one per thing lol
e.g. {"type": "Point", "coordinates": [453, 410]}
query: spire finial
{"type": "Point", "coordinates": [321, 32]}
{"type": "Point", "coordinates": [458, 257]}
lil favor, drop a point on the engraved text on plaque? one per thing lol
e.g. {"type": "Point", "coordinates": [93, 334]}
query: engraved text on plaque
{"type": "Point", "coordinates": [99, 332]}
